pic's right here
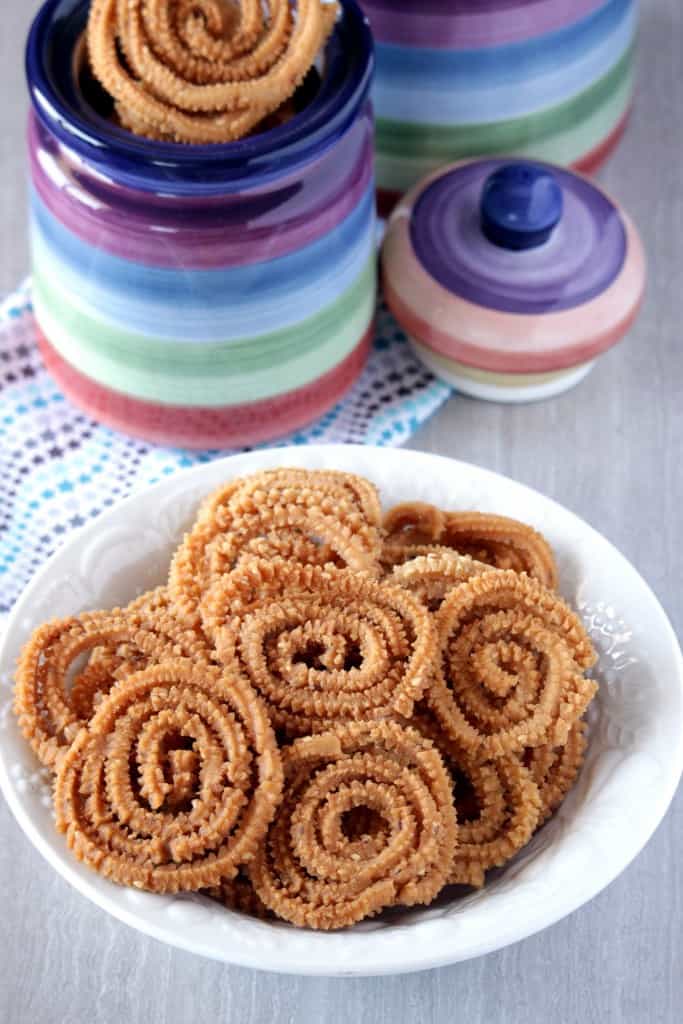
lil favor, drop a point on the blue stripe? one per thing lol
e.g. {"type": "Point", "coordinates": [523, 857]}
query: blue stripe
{"type": "Point", "coordinates": [495, 93]}
{"type": "Point", "coordinates": [205, 304]}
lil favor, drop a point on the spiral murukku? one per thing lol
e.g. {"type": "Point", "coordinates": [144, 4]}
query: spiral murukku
{"type": "Point", "coordinates": [321, 644]}
{"type": "Point", "coordinates": [432, 576]}
{"type": "Point", "coordinates": [554, 769]}
{"type": "Point", "coordinates": [498, 805]}
{"type": "Point", "coordinates": [499, 541]}
{"type": "Point", "coordinates": [311, 872]}
{"type": "Point", "coordinates": [51, 711]}
{"type": "Point", "coordinates": [511, 668]}
{"type": "Point", "coordinates": [320, 715]}
{"type": "Point", "coordinates": [316, 517]}
{"type": "Point", "coordinates": [203, 71]}
{"type": "Point", "coordinates": [174, 781]}
{"type": "Point", "coordinates": [239, 894]}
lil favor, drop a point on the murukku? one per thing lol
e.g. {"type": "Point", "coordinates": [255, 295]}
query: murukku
{"type": "Point", "coordinates": [50, 711]}
{"type": "Point", "coordinates": [554, 769]}
{"type": "Point", "coordinates": [321, 644]}
{"type": "Point", "coordinates": [239, 894]}
{"type": "Point", "coordinates": [174, 781]}
{"type": "Point", "coordinates": [311, 872]}
{"type": "Point", "coordinates": [511, 666]}
{"type": "Point", "coordinates": [432, 576]}
{"type": "Point", "coordinates": [298, 486]}
{"type": "Point", "coordinates": [497, 540]}
{"type": "Point", "coordinates": [203, 71]}
{"type": "Point", "coordinates": [315, 517]}
{"type": "Point", "coordinates": [498, 805]}
{"type": "Point", "coordinates": [320, 715]}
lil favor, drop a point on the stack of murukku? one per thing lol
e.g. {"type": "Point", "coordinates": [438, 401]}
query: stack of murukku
{"type": "Point", "coordinates": [322, 714]}
{"type": "Point", "coordinates": [206, 71]}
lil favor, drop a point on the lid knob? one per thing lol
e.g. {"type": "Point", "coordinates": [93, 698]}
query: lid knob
{"type": "Point", "coordinates": [521, 204]}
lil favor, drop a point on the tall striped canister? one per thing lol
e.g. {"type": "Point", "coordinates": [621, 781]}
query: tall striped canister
{"type": "Point", "coordinates": [550, 79]}
{"type": "Point", "coordinates": [202, 295]}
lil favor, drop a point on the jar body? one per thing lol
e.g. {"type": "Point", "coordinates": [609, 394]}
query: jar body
{"type": "Point", "coordinates": [539, 78]}
{"type": "Point", "coordinates": [203, 315]}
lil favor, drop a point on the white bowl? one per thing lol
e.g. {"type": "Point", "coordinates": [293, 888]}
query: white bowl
{"type": "Point", "coordinates": [632, 769]}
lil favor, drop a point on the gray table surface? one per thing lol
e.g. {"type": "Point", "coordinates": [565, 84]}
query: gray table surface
{"type": "Point", "coordinates": [612, 451]}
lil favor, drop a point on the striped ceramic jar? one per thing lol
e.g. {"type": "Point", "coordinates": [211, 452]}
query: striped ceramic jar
{"type": "Point", "coordinates": [551, 79]}
{"type": "Point", "coordinates": [202, 296]}
{"type": "Point", "coordinates": [511, 278]}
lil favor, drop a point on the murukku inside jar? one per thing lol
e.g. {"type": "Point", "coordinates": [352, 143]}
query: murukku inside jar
{"type": "Point", "coordinates": [201, 293]}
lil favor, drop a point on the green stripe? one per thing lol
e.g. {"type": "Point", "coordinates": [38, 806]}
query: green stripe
{"type": "Point", "coordinates": [145, 352]}
{"type": "Point", "coordinates": [398, 174]}
{"type": "Point", "coordinates": [207, 378]}
{"type": "Point", "coordinates": [449, 142]}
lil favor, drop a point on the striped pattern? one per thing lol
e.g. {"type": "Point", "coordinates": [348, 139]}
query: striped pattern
{"type": "Point", "coordinates": [230, 343]}
{"type": "Point", "coordinates": [563, 317]}
{"type": "Point", "coordinates": [557, 96]}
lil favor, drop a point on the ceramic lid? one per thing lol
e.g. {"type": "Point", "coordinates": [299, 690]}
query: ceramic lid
{"type": "Point", "coordinates": [514, 266]}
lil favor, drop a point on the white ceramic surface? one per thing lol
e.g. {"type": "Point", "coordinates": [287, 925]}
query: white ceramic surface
{"type": "Point", "coordinates": [632, 769]}
{"type": "Point", "coordinates": [488, 386]}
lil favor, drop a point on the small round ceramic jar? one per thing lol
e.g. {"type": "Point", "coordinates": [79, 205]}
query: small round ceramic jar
{"type": "Point", "coordinates": [549, 79]}
{"type": "Point", "coordinates": [510, 278]}
{"type": "Point", "coordinates": [202, 296]}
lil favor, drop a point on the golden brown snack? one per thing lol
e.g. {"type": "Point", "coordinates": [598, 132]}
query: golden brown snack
{"type": "Point", "coordinates": [431, 577]}
{"type": "Point", "coordinates": [50, 711]}
{"type": "Point", "coordinates": [497, 540]}
{"type": "Point", "coordinates": [318, 517]}
{"type": "Point", "coordinates": [554, 769]}
{"type": "Point", "coordinates": [498, 805]}
{"type": "Point", "coordinates": [408, 683]}
{"type": "Point", "coordinates": [511, 669]}
{"type": "Point", "coordinates": [203, 71]}
{"type": "Point", "coordinates": [321, 644]}
{"type": "Point", "coordinates": [239, 894]}
{"type": "Point", "coordinates": [311, 872]}
{"type": "Point", "coordinates": [174, 781]}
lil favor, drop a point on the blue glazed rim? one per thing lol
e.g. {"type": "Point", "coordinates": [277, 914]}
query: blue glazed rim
{"type": "Point", "coordinates": [187, 169]}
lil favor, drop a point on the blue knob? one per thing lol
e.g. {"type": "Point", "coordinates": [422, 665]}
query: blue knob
{"type": "Point", "coordinates": [521, 204]}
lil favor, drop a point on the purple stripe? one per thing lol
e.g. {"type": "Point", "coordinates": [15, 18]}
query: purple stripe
{"type": "Point", "coordinates": [487, 23]}
{"type": "Point", "coordinates": [235, 230]}
{"type": "Point", "coordinates": [582, 258]}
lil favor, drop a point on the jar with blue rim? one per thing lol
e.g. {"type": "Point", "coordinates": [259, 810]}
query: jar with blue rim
{"type": "Point", "coordinates": [548, 79]}
{"type": "Point", "coordinates": [202, 295]}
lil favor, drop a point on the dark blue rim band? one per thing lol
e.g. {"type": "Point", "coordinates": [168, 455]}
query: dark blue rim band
{"type": "Point", "coordinates": [193, 169]}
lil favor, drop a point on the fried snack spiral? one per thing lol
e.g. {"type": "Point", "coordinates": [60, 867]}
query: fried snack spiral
{"type": "Point", "coordinates": [432, 576]}
{"type": "Point", "coordinates": [512, 662]}
{"type": "Point", "coordinates": [497, 540]}
{"type": "Point", "coordinates": [49, 711]}
{"type": "Point", "coordinates": [554, 769]}
{"type": "Point", "coordinates": [300, 486]}
{"type": "Point", "coordinates": [498, 805]}
{"type": "Point", "coordinates": [311, 517]}
{"type": "Point", "coordinates": [311, 872]}
{"type": "Point", "coordinates": [203, 71]}
{"type": "Point", "coordinates": [239, 894]}
{"type": "Point", "coordinates": [321, 644]}
{"type": "Point", "coordinates": [174, 781]}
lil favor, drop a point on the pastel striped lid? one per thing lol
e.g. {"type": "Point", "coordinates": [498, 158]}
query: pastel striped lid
{"type": "Point", "coordinates": [512, 267]}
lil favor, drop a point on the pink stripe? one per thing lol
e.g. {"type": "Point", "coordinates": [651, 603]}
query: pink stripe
{"type": "Point", "coordinates": [506, 342]}
{"type": "Point", "coordinates": [249, 228]}
{"type": "Point", "coordinates": [480, 25]}
{"type": "Point", "coordinates": [230, 427]}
